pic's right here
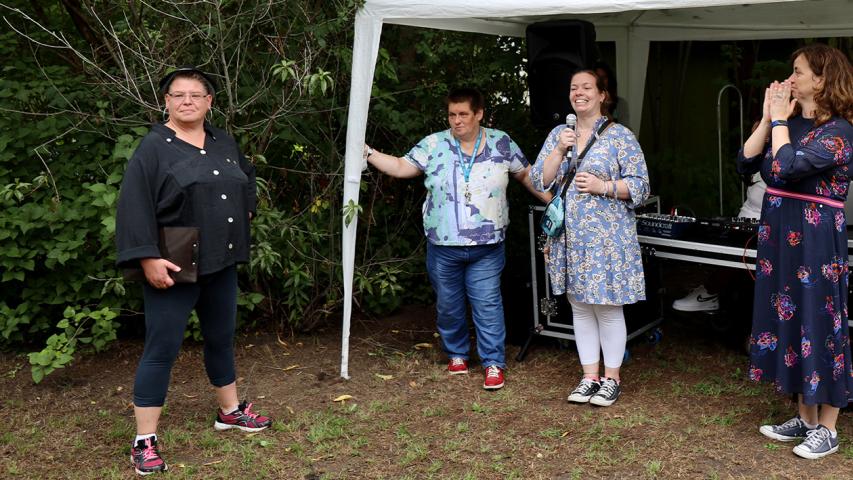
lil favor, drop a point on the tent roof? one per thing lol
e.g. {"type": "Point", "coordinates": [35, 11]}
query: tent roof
{"type": "Point", "coordinates": [648, 19]}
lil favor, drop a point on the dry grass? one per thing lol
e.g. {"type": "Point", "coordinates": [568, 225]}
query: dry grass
{"type": "Point", "coordinates": [687, 412]}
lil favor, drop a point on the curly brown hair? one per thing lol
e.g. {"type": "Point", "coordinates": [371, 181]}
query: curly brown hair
{"type": "Point", "coordinates": [835, 96]}
{"type": "Point", "coordinates": [599, 85]}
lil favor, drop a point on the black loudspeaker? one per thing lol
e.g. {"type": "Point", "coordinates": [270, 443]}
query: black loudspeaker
{"type": "Point", "coordinates": [556, 50]}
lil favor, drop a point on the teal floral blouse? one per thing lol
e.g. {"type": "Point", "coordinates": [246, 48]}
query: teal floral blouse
{"type": "Point", "coordinates": [450, 217]}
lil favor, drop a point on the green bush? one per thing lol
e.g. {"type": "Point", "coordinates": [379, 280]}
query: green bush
{"type": "Point", "coordinates": [73, 115]}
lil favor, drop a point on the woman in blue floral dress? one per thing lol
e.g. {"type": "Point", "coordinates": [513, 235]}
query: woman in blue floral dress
{"type": "Point", "coordinates": [800, 340]}
{"type": "Point", "coordinates": [597, 262]}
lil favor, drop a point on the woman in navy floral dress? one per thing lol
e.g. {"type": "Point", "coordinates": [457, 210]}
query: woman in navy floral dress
{"type": "Point", "coordinates": [800, 340]}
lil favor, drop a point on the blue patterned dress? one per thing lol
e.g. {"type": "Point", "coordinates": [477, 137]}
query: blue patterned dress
{"type": "Point", "coordinates": [598, 259]}
{"type": "Point", "coordinates": [800, 340]}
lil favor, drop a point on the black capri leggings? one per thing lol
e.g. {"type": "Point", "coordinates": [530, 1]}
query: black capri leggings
{"type": "Point", "coordinates": [166, 314]}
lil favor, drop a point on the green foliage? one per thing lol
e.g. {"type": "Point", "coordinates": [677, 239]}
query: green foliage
{"type": "Point", "coordinates": [73, 116]}
{"type": "Point", "coordinates": [59, 178]}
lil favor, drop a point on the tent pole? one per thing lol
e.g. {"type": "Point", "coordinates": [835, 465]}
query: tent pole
{"type": "Point", "coordinates": [364, 52]}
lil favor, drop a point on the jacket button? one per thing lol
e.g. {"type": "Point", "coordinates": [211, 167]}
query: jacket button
{"type": "Point", "coordinates": [224, 197]}
{"type": "Point", "coordinates": [202, 152]}
{"type": "Point", "coordinates": [230, 219]}
{"type": "Point", "coordinates": [216, 172]}
{"type": "Point", "coordinates": [230, 246]}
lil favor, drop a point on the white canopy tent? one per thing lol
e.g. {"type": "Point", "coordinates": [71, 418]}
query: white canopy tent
{"type": "Point", "coordinates": [631, 24]}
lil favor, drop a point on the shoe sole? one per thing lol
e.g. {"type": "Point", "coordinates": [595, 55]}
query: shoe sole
{"type": "Point", "coordinates": [601, 402]}
{"type": "Point", "coordinates": [140, 472]}
{"type": "Point", "coordinates": [221, 427]}
{"type": "Point", "coordinates": [697, 308]}
{"type": "Point", "coordinates": [578, 399]}
{"type": "Point", "coordinates": [493, 387]}
{"type": "Point", "coordinates": [460, 372]}
{"type": "Point", "coordinates": [813, 456]}
{"type": "Point", "coordinates": [767, 432]}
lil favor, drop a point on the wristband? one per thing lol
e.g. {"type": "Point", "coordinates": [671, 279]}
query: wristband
{"type": "Point", "coordinates": [614, 189]}
{"type": "Point", "coordinates": [778, 123]}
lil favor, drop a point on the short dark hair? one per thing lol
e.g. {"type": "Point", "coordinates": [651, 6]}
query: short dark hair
{"type": "Point", "coordinates": [466, 94]}
{"type": "Point", "coordinates": [191, 73]}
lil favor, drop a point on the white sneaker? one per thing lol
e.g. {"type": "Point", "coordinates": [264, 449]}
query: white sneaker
{"type": "Point", "coordinates": [698, 300]}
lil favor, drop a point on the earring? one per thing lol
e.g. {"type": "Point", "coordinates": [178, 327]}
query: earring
{"type": "Point", "coordinates": [165, 114]}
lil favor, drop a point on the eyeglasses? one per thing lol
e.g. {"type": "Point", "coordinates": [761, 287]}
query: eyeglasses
{"type": "Point", "coordinates": [195, 97]}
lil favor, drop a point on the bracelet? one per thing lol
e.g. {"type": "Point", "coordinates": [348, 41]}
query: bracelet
{"type": "Point", "coordinates": [614, 189]}
{"type": "Point", "coordinates": [778, 123]}
{"type": "Point", "coordinates": [604, 190]}
{"type": "Point", "coordinates": [369, 151]}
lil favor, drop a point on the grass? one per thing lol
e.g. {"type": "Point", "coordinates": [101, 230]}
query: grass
{"type": "Point", "coordinates": [325, 427]}
{"type": "Point", "coordinates": [654, 468]}
{"type": "Point", "coordinates": [437, 411]}
{"type": "Point", "coordinates": [441, 428]}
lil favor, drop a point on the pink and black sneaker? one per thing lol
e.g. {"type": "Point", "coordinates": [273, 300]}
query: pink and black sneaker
{"type": "Point", "coordinates": [145, 457]}
{"type": "Point", "coordinates": [243, 418]}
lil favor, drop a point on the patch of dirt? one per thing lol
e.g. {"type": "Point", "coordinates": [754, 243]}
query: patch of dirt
{"type": "Point", "coordinates": [686, 412]}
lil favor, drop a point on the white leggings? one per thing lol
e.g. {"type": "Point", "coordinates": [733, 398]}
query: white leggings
{"type": "Point", "coordinates": [599, 328]}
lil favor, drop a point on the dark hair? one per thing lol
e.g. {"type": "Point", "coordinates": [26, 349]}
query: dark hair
{"type": "Point", "coordinates": [612, 86]}
{"type": "Point", "coordinates": [466, 94]}
{"type": "Point", "coordinates": [191, 73]}
{"type": "Point", "coordinates": [835, 96]}
{"type": "Point", "coordinates": [599, 84]}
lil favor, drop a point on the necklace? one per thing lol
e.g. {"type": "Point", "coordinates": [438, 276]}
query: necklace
{"type": "Point", "coordinates": [467, 166]}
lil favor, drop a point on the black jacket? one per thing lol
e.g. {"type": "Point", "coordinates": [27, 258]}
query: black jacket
{"type": "Point", "coordinates": [169, 182]}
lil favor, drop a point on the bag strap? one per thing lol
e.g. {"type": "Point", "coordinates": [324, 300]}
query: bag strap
{"type": "Point", "coordinates": [589, 145]}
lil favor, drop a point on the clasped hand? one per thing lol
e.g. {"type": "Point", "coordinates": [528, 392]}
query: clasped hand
{"type": "Point", "coordinates": [778, 104]}
{"type": "Point", "coordinates": [586, 182]}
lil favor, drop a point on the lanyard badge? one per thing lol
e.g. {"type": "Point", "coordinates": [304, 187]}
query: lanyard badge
{"type": "Point", "coordinates": [468, 165]}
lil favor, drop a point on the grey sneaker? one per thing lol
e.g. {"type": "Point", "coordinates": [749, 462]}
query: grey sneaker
{"type": "Point", "coordinates": [584, 391]}
{"type": "Point", "coordinates": [819, 443]}
{"type": "Point", "coordinates": [607, 394]}
{"type": "Point", "coordinates": [793, 429]}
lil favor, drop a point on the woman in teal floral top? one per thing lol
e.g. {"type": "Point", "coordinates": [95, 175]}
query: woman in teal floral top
{"type": "Point", "coordinates": [597, 261]}
{"type": "Point", "coordinates": [466, 170]}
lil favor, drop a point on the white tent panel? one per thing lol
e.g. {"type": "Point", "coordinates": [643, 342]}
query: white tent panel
{"type": "Point", "coordinates": [632, 24]}
{"type": "Point", "coordinates": [367, 32]}
{"type": "Point", "coordinates": [389, 10]}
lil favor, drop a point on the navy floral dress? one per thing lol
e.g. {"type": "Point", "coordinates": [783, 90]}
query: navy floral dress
{"type": "Point", "coordinates": [800, 338]}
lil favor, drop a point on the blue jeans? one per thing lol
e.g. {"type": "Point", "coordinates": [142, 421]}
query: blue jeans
{"type": "Point", "coordinates": [474, 273]}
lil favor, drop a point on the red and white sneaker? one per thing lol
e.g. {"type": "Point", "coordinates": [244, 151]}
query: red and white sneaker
{"type": "Point", "coordinates": [243, 418]}
{"type": "Point", "coordinates": [145, 458]}
{"type": "Point", "coordinates": [457, 366]}
{"type": "Point", "coordinates": [494, 378]}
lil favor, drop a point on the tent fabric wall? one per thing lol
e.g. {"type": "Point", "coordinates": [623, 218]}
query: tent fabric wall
{"type": "Point", "coordinates": [368, 29]}
{"type": "Point", "coordinates": [632, 24]}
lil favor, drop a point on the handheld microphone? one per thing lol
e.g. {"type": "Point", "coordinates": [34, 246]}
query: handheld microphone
{"type": "Point", "coordinates": [571, 123]}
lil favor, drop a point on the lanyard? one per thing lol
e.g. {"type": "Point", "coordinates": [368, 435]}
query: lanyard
{"type": "Point", "coordinates": [467, 166]}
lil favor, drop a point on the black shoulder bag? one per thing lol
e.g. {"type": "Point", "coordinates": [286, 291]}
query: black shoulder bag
{"type": "Point", "coordinates": [553, 220]}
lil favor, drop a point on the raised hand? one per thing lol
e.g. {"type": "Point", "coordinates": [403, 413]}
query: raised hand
{"type": "Point", "coordinates": [781, 104]}
{"type": "Point", "coordinates": [566, 140]}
